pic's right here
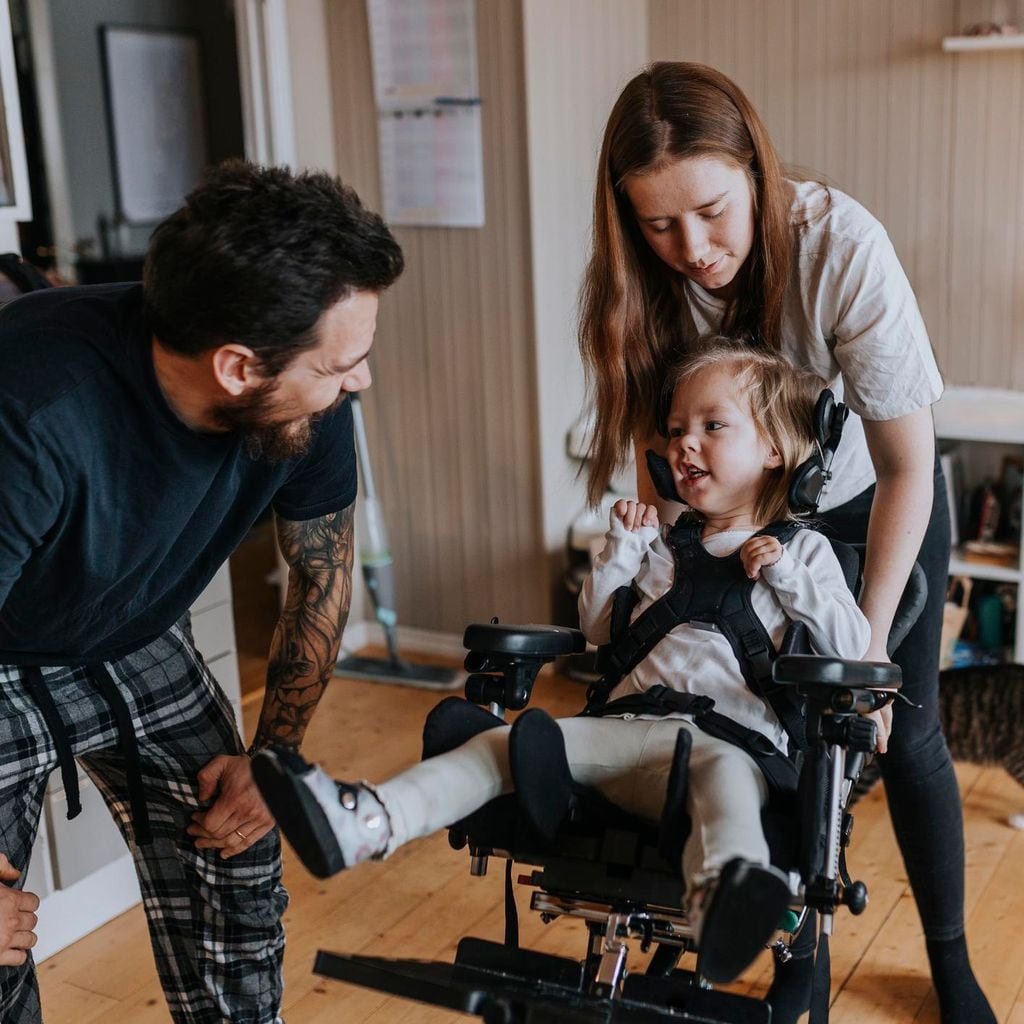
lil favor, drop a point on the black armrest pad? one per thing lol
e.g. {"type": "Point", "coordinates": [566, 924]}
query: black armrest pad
{"type": "Point", "coordinates": [527, 641]}
{"type": "Point", "coordinates": [796, 669]}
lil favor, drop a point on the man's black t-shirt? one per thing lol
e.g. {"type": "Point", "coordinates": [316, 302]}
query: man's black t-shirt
{"type": "Point", "coordinates": [114, 515]}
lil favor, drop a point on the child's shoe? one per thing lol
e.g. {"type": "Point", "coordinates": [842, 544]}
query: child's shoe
{"type": "Point", "coordinates": [331, 825]}
{"type": "Point", "coordinates": [735, 915]}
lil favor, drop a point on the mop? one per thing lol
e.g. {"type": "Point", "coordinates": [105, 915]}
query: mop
{"type": "Point", "coordinates": [378, 573]}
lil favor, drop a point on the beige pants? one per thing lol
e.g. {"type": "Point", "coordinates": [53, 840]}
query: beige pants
{"type": "Point", "coordinates": [627, 761]}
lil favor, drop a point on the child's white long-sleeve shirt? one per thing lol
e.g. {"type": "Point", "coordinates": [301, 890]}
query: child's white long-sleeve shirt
{"type": "Point", "coordinates": [805, 585]}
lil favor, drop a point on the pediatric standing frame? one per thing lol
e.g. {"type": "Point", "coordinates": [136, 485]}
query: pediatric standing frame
{"type": "Point", "coordinates": [620, 874]}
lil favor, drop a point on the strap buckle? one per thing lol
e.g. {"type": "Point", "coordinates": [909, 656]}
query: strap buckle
{"type": "Point", "coordinates": [701, 704]}
{"type": "Point", "coordinates": [759, 744]}
{"type": "Point", "coordinates": [706, 626]}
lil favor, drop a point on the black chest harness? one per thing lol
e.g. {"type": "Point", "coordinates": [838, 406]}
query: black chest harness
{"type": "Point", "coordinates": [711, 593]}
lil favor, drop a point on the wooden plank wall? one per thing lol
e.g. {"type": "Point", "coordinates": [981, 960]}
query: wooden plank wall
{"type": "Point", "coordinates": [452, 412]}
{"type": "Point", "coordinates": [856, 90]}
{"type": "Point", "coordinates": [932, 143]}
{"type": "Point", "coordinates": [578, 54]}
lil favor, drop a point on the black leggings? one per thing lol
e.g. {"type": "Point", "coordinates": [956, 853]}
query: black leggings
{"type": "Point", "coordinates": [924, 801]}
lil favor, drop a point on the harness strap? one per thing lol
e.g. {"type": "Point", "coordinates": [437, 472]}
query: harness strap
{"type": "Point", "coordinates": [821, 982]}
{"type": "Point", "coordinates": [780, 772]}
{"type": "Point", "coordinates": [129, 744]}
{"type": "Point", "coordinates": [643, 636]}
{"type": "Point", "coordinates": [511, 910]}
{"type": "Point", "coordinates": [634, 644]}
{"type": "Point", "coordinates": [43, 699]}
{"type": "Point", "coordinates": [735, 617]}
{"type": "Point", "coordinates": [624, 600]}
{"type": "Point", "coordinates": [844, 871]}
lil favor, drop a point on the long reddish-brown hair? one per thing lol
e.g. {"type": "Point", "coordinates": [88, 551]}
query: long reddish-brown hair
{"type": "Point", "coordinates": [631, 303]}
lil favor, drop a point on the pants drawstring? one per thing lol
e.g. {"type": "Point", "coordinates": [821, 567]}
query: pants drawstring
{"type": "Point", "coordinates": [43, 700]}
{"type": "Point", "coordinates": [128, 743]}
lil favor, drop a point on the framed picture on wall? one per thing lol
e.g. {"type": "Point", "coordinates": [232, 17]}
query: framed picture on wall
{"type": "Point", "coordinates": [15, 198]}
{"type": "Point", "coordinates": [155, 118]}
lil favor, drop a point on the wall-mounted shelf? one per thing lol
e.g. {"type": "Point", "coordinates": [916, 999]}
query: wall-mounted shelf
{"type": "Point", "coordinates": [962, 44]}
{"type": "Point", "coordinates": [981, 414]}
{"type": "Point", "coordinates": [982, 571]}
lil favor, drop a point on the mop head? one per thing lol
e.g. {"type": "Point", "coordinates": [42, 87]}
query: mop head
{"type": "Point", "coordinates": [399, 673]}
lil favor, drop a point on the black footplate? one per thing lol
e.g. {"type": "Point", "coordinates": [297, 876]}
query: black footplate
{"type": "Point", "coordinates": [509, 986]}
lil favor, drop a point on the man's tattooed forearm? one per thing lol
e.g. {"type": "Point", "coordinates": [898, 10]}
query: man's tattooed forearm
{"type": "Point", "coordinates": [305, 644]}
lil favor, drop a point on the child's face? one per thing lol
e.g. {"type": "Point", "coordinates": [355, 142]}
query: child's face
{"type": "Point", "coordinates": [717, 456]}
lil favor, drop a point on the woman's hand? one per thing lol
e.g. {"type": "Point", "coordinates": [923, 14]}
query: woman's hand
{"type": "Point", "coordinates": [883, 723]}
{"type": "Point", "coordinates": [883, 716]}
{"type": "Point", "coordinates": [634, 514]}
{"type": "Point", "coordinates": [758, 553]}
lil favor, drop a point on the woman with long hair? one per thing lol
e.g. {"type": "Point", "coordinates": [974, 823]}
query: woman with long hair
{"type": "Point", "coordinates": [698, 231]}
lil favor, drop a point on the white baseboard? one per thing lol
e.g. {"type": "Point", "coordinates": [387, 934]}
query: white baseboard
{"type": "Point", "coordinates": [410, 640]}
{"type": "Point", "coordinates": [68, 914]}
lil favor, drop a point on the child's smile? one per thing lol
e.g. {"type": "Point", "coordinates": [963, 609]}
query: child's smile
{"type": "Point", "coordinates": [691, 475]}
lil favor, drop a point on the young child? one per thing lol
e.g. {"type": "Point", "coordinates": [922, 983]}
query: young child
{"type": "Point", "coordinates": [740, 423]}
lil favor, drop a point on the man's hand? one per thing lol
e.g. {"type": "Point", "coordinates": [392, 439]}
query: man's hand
{"type": "Point", "coordinates": [239, 817]}
{"type": "Point", "coordinates": [758, 553]}
{"type": "Point", "coordinates": [634, 514]}
{"type": "Point", "coordinates": [17, 917]}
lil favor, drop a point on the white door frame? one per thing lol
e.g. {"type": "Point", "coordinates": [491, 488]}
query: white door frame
{"type": "Point", "coordinates": [265, 81]}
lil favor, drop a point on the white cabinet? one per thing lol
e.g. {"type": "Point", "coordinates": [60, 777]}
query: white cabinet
{"type": "Point", "coordinates": [213, 629]}
{"type": "Point", "coordinates": [81, 868]}
{"type": "Point", "coordinates": [40, 874]}
{"type": "Point", "coordinates": [80, 847]}
{"type": "Point", "coordinates": [990, 423]}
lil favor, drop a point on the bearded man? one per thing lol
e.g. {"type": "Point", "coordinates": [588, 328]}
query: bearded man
{"type": "Point", "coordinates": [143, 429]}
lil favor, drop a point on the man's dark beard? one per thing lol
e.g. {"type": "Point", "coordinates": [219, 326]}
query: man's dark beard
{"type": "Point", "coordinates": [265, 439]}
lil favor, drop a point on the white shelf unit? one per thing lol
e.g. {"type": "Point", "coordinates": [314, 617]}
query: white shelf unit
{"type": "Point", "coordinates": [969, 44]}
{"type": "Point", "coordinates": [992, 418]}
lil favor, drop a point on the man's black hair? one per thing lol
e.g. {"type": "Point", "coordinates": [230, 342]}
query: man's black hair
{"type": "Point", "coordinates": [256, 255]}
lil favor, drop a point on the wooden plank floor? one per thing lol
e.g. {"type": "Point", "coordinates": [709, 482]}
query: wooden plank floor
{"type": "Point", "coordinates": [422, 900]}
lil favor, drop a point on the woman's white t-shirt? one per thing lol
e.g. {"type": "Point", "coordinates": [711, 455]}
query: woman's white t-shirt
{"type": "Point", "coordinates": [851, 317]}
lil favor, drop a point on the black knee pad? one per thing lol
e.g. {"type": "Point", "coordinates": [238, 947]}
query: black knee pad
{"type": "Point", "coordinates": [453, 722]}
{"type": "Point", "coordinates": [540, 771]}
{"type": "Point", "coordinates": [675, 822]}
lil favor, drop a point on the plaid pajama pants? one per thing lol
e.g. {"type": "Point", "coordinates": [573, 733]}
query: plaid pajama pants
{"type": "Point", "coordinates": [215, 924]}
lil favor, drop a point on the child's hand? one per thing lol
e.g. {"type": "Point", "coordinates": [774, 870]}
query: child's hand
{"type": "Point", "coordinates": [759, 552]}
{"type": "Point", "coordinates": [634, 514]}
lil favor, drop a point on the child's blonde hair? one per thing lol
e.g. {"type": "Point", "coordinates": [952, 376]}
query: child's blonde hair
{"type": "Point", "coordinates": [782, 399]}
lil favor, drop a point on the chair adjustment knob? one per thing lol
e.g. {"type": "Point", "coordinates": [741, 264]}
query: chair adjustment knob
{"type": "Point", "coordinates": [852, 732]}
{"type": "Point", "coordinates": [483, 689]}
{"type": "Point", "coordinates": [855, 896]}
{"type": "Point", "coordinates": [861, 735]}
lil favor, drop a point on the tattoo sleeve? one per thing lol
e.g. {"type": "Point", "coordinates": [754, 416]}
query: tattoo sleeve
{"type": "Point", "coordinates": [308, 634]}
